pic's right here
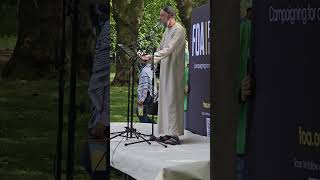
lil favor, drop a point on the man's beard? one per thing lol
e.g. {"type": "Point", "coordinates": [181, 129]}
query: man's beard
{"type": "Point", "coordinates": [164, 23]}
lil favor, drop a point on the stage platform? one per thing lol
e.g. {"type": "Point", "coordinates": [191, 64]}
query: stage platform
{"type": "Point", "coordinates": [190, 160]}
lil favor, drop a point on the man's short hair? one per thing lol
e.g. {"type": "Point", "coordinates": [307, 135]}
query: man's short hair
{"type": "Point", "coordinates": [169, 10]}
{"type": "Point", "coordinates": [249, 9]}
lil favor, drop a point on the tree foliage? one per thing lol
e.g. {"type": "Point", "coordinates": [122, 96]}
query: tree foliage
{"type": "Point", "coordinates": [244, 4]}
{"type": "Point", "coordinates": [8, 17]}
{"type": "Point", "coordinates": [126, 16]}
{"type": "Point", "coordinates": [34, 53]}
{"type": "Point", "coordinates": [150, 17]}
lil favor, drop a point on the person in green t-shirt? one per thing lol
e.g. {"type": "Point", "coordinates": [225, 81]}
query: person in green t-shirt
{"type": "Point", "coordinates": [245, 41]}
{"type": "Point", "coordinates": [245, 90]}
{"type": "Point", "coordinates": [186, 81]}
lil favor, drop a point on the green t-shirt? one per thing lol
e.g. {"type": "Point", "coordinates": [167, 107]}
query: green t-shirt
{"type": "Point", "coordinates": [245, 43]}
{"type": "Point", "coordinates": [186, 76]}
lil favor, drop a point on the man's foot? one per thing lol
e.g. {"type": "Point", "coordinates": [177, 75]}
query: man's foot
{"type": "Point", "coordinates": [153, 138]}
{"type": "Point", "coordinates": [174, 140]}
{"type": "Point", "coordinates": [160, 138]}
{"type": "Point", "coordinates": [163, 138]}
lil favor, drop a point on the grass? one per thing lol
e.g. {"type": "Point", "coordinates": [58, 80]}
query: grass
{"type": "Point", "coordinates": [28, 127]}
{"type": "Point", "coordinates": [119, 104]}
{"type": "Point", "coordinates": [7, 42]}
{"type": "Point", "coordinates": [119, 100]}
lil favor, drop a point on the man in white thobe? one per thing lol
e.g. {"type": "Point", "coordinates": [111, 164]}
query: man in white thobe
{"type": "Point", "coordinates": [170, 55]}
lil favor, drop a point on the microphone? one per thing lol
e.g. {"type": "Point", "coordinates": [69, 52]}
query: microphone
{"type": "Point", "coordinates": [156, 25]}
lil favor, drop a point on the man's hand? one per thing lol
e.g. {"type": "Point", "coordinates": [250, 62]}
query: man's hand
{"type": "Point", "coordinates": [140, 102]}
{"type": "Point", "coordinates": [186, 89]}
{"type": "Point", "coordinates": [140, 53]}
{"type": "Point", "coordinates": [246, 88]}
{"type": "Point", "coordinates": [99, 131]}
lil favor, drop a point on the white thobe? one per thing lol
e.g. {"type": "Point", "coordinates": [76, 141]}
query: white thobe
{"type": "Point", "coordinates": [171, 89]}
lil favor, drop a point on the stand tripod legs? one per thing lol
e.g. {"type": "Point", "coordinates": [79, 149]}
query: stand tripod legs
{"type": "Point", "coordinates": [117, 134]}
{"type": "Point", "coordinates": [145, 140]}
{"type": "Point", "coordinates": [137, 134]}
{"type": "Point", "coordinates": [161, 143]}
{"type": "Point", "coordinates": [128, 130]}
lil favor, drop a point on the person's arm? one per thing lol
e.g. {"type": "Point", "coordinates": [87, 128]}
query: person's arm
{"type": "Point", "coordinates": [143, 96]}
{"type": "Point", "coordinates": [101, 121]}
{"type": "Point", "coordinates": [186, 76]}
{"type": "Point", "coordinates": [99, 129]}
{"type": "Point", "coordinates": [143, 87]}
{"type": "Point", "coordinates": [246, 89]}
{"type": "Point", "coordinates": [186, 86]}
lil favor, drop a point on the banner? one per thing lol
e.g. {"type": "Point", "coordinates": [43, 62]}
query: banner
{"type": "Point", "coordinates": [199, 71]}
{"type": "Point", "coordinates": [284, 132]}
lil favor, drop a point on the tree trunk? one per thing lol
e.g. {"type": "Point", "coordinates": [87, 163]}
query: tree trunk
{"type": "Point", "coordinates": [127, 15]}
{"type": "Point", "coordinates": [35, 52]}
{"type": "Point", "coordinates": [185, 10]}
{"type": "Point", "coordinates": [39, 30]}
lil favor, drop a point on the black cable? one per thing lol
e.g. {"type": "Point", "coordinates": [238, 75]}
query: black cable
{"type": "Point", "coordinates": [54, 167]}
{"type": "Point", "coordinates": [115, 150]}
{"type": "Point", "coordinates": [95, 169]}
{"type": "Point", "coordinates": [104, 154]}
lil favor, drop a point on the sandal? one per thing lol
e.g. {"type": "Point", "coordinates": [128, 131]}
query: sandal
{"type": "Point", "coordinates": [160, 138]}
{"type": "Point", "coordinates": [174, 140]}
{"type": "Point", "coordinates": [163, 138]}
{"type": "Point", "coordinates": [154, 138]}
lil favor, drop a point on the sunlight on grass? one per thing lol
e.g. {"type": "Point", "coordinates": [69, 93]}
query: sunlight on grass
{"type": "Point", "coordinates": [7, 42]}
{"type": "Point", "coordinates": [29, 115]}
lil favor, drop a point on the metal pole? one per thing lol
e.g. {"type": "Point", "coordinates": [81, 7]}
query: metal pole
{"type": "Point", "coordinates": [132, 96]}
{"type": "Point", "coordinates": [128, 108]}
{"type": "Point", "coordinates": [153, 95]}
{"type": "Point", "coordinates": [61, 92]}
{"type": "Point", "coordinates": [72, 108]}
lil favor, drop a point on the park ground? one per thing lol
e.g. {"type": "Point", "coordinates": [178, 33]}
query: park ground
{"type": "Point", "coordinates": [28, 123]}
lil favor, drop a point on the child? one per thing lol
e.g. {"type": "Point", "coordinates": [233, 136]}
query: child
{"type": "Point", "coordinates": [145, 95]}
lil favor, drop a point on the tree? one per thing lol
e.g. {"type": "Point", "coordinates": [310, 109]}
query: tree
{"type": "Point", "coordinates": [8, 17]}
{"type": "Point", "coordinates": [126, 32]}
{"type": "Point", "coordinates": [150, 17]}
{"type": "Point", "coordinates": [127, 15]}
{"type": "Point", "coordinates": [34, 53]}
{"type": "Point", "coordinates": [244, 4]}
{"type": "Point", "coordinates": [37, 49]}
{"type": "Point", "coordinates": [185, 11]}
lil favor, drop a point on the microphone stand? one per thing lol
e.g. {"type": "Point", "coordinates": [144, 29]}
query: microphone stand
{"type": "Point", "coordinates": [153, 97]}
{"type": "Point", "coordinates": [61, 67]}
{"type": "Point", "coordinates": [152, 137]}
{"type": "Point", "coordinates": [72, 97]}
